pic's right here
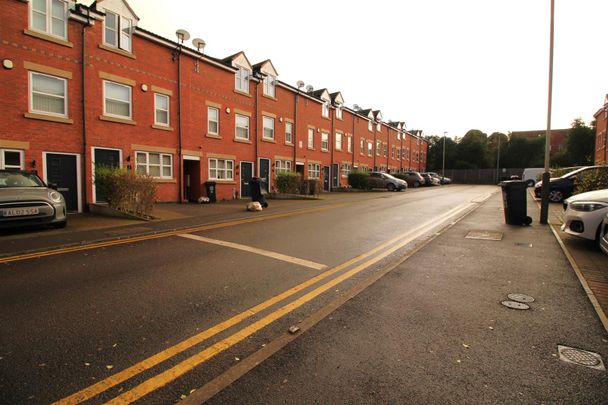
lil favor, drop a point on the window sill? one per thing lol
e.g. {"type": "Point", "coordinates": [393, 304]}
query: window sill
{"type": "Point", "coordinates": [270, 97]}
{"type": "Point", "coordinates": [289, 143]}
{"type": "Point", "coordinates": [117, 51]}
{"type": "Point", "coordinates": [242, 93]}
{"type": "Point", "coordinates": [241, 140]}
{"type": "Point", "coordinates": [340, 119]}
{"type": "Point", "coordinates": [268, 140]}
{"type": "Point", "coordinates": [161, 180]}
{"type": "Point", "coordinates": [325, 150]}
{"type": "Point", "coordinates": [162, 127]}
{"type": "Point", "coordinates": [117, 120]}
{"type": "Point", "coordinates": [51, 118]}
{"type": "Point", "coordinates": [50, 38]}
{"type": "Point", "coordinates": [309, 148]}
{"type": "Point", "coordinates": [214, 136]}
{"type": "Point", "coordinates": [325, 118]}
{"type": "Point", "coordinates": [223, 181]}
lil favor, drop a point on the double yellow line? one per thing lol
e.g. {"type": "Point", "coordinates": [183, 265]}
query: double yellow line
{"type": "Point", "coordinates": [196, 360]}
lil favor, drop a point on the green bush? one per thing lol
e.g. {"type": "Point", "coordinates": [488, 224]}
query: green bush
{"type": "Point", "coordinates": [310, 187]}
{"type": "Point", "coordinates": [359, 179]}
{"type": "Point", "coordinates": [288, 182]}
{"type": "Point", "coordinates": [596, 180]}
{"type": "Point", "coordinates": [126, 190]}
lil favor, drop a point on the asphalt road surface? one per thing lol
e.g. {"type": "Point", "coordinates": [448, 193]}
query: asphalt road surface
{"type": "Point", "coordinates": [153, 320]}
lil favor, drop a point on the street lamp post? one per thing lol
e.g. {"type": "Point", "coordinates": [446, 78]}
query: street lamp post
{"type": "Point", "coordinates": [443, 159]}
{"type": "Point", "coordinates": [544, 203]}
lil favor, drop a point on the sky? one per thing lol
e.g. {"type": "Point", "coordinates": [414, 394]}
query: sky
{"type": "Point", "coordinates": [439, 65]}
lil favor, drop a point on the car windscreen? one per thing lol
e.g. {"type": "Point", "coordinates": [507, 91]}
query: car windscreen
{"type": "Point", "coordinates": [572, 173]}
{"type": "Point", "coordinates": [16, 179]}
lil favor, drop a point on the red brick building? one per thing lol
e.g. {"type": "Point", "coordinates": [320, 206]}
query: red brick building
{"type": "Point", "coordinates": [601, 134]}
{"type": "Point", "coordinates": [558, 137]}
{"type": "Point", "coordinates": [84, 86]}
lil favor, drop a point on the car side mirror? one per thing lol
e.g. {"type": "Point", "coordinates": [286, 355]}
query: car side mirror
{"type": "Point", "coordinates": [53, 186]}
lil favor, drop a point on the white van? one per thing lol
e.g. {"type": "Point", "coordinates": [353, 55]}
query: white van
{"type": "Point", "coordinates": [530, 175]}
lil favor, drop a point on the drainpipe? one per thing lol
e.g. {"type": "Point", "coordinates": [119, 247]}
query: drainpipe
{"type": "Point", "coordinates": [295, 129]}
{"type": "Point", "coordinates": [255, 107]}
{"type": "Point", "coordinates": [84, 109]}
{"type": "Point", "coordinates": [331, 150]}
{"type": "Point", "coordinates": [353, 142]}
{"type": "Point", "coordinates": [401, 153]}
{"type": "Point", "coordinates": [180, 186]}
{"type": "Point", "coordinates": [375, 147]}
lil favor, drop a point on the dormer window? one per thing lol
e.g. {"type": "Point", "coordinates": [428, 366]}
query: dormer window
{"type": "Point", "coordinates": [242, 79]}
{"type": "Point", "coordinates": [49, 16]}
{"type": "Point", "coordinates": [325, 110]}
{"type": "Point", "coordinates": [269, 85]}
{"type": "Point", "coordinates": [117, 31]}
{"type": "Point", "coordinates": [378, 127]}
{"type": "Point", "coordinates": [370, 126]}
{"type": "Point", "coordinates": [339, 112]}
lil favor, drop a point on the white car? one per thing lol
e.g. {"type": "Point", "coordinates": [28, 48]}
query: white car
{"type": "Point", "coordinates": [604, 235]}
{"type": "Point", "coordinates": [584, 214]}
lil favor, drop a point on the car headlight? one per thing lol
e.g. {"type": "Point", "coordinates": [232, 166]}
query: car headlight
{"type": "Point", "coordinates": [587, 206]}
{"type": "Point", "coordinates": [55, 196]}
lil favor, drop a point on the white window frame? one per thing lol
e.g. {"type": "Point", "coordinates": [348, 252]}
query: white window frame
{"type": "Point", "coordinates": [314, 171]}
{"type": "Point", "coordinates": [311, 138]}
{"type": "Point", "coordinates": [236, 126]}
{"type": "Point", "coordinates": [325, 110]}
{"type": "Point", "coordinates": [339, 112]}
{"type": "Point", "coordinates": [268, 126]}
{"type": "Point", "coordinates": [362, 146]}
{"type": "Point", "coordinates": [370, 126]}
{"type": "Point", "coordinates": [370, 148]}
{"type": "Point", "coordinates": [157, 109]}
{"type": "Point", "coordinates": [227, 171]}
{"type": "Point", "coordinates": [105, 82]}
{"type": "Point", "coordinates": [282, 166]}
{"type": "Point", "coordinates": [4, 166]}
{"type": "Point", "coordinates": [241, 79]}
{"type": "Point", "coordinates": [161, 165]}
{"type": "Point", "coordinates": [338, 141]}
{"type": "Point", "coordinates": [290, 132]}
{"type": "Point", "coordinates": [31, 95]}
{"type": "Point", "coordinates": [378, 127]}
{"type": "Point", "coordinates": [378, 148]}
{"type": "Point", "coordinates": [324, 141]}
{"type": "Point", "coordinates": [209, 120]}
{"type": "Point", "coordinates": [345, 169]}
{"type": "Point", "coordinates": [349, 144]}
{"type": "Point", "coordinates": [48, 15]}
{"type": "Point", "coordinates": [270, 85]}
{"type": "Point", "coordinates": [122, 24]}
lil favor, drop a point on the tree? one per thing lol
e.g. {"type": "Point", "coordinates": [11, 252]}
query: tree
{"type": "Point", "coordinates": [472, 151]}
{"type": "Point", "coordinates": [496, 140]}
{"type": "Point", "coordinates": [435, 153]}
{"type": "Point", "coordinates": [580, 143]}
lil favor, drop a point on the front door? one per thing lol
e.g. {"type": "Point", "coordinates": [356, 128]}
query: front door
{"type": "Point", "coordinates": [265, 171]}
{"type": "Point", "coordinates": [192, 179]}
{"type": "Point", "coordinates": [61, 170]}
{"type": "Point", "coordinates": [107, 158]}
{"type": "Point", "coordinates": [246, 175]}
{"type": "Point", "coordinates": [335, 172]}
{"type": "Point", "coordinates": [325, 178]}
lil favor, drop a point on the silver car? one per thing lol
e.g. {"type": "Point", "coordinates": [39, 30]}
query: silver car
{"type": "Point", "coordinates": [26, 200]}
{"type": "Point", "coordinates": [604, 235]}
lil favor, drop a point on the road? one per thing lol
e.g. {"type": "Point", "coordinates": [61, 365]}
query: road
{"type": "Point", "coordinates": [152, 320]}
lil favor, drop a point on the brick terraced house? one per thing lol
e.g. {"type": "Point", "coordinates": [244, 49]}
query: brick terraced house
{"type": "Point", "coordinates": [601, 135]}
{"type": "Point", "coordinates": [85, 86]}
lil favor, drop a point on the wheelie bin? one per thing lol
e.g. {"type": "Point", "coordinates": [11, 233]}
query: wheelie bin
{"type": "Point", "coordinates": [258, 191]}
{"type": "Point", "coordinates": [514, 202]}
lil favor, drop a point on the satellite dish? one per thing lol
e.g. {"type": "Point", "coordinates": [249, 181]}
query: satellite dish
{"type": "Point", "coordinates": [300, 84]}
{"type": "Point", "coordinates": [199, 44]}
{"type": "Point", "coordinates": [182, 35]}
{"type": "Point", "coordinates": [309, 88]}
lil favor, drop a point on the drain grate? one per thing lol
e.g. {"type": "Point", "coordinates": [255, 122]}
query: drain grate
{"type": "Point", "coordinates": [484, 235]}
{"type": "Point", "coordinates": [523, 244]}
{"type": "Point", "coordinates": [515, 305]}
{"type": "Point", "coordinates": [520, 298]}
{"type": "Point", "coordinates": [580, 357]}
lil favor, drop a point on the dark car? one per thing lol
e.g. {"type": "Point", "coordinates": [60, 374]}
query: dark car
{"type": "Point", "coordinates": [562, 187]}
{"type": "Point", "coordinates": [442, 179]}
{"type": "Point", "coordinates": [385, 180]}
{"type": "Point", "coordinates": [430, 180]}
{"type": "Point", "coordinates": [413, 178]}
{"type": "Point", "coordinates": [26, 200]}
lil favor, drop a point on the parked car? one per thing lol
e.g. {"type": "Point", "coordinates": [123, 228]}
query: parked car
{"type": "Point", "coordinates": [26, 200]}
{"type": "Point", "coordinates": [413, 178]}
{"type": "Point", "coordinates": [442, 179]}
{"type": "Point", "coordinates": [531, 174]}
{"type": "Point", "coordinates": [385, 180]}
{"type": "Point", "coordinates": [561, 188]}
{"type": "Point", "coordinates": [430, 180]}
{"type": "Point", "coordinates": [604, 235]}
{"type": "Point", "coordinates": [584, 214]}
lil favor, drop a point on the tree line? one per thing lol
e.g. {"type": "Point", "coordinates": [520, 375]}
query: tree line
{"type": "Point", "coordinates": [477, 150]}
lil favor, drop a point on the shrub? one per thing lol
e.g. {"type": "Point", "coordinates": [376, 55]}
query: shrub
{"type": "Point", "coordinates": [595, 180]}
{"type": "Point", "coordinates": [288, 182]}
{"type": "Point", "coordinates": [310, 187]}
{"type": "Point", "coordinates": [126, 190]}
{"type": "Point", "coordinates": [358, 179]}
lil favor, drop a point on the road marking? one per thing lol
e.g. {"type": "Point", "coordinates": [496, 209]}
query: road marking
{"type": "Point", "coordinates": [196, 360]}
{"type": "Point", "coordinates": [262, 252]}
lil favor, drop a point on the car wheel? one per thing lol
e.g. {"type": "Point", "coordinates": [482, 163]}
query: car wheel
{"type": "Point", "coordinates": [416, 184]}
{"type": "Point", "coordinates": [530, 183]}
{"type": "Point", "coordinates": [556, 196]}
{"type": "Point", "coordinates": [390, 187]}
{"type": "Point", "coordinates": [60, 225]}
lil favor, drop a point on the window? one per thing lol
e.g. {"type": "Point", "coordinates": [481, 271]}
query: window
{"type": "Point", "coordinates": [49, 16]}
{"type": "Point", "coordinates": [378, 127]}
{"type": "Point", "coordinates": [339, 112]}
{"type": "Point", "coordinates": [338, 141]}
{"type": "Point", "coordinates": [48, 94]}
{"type": "Point", "coordinates": [221, 169]}
{"type": "Point", "coordinates": [345, 169]}
{"type": "Point", "coordinates": [324, 141]}
{"type": "Point", "coordinates": [349, 144]}
{"type": "Point", "coordinates": [268, 128]}
{"type": "Point", "coordinates": [378, 148]}
{"type": "Point", "coordinates": [269, 85]}
{"type": "Point", "coordinates": [161, 109]}
{"type": "Point", "coordinates": [362, 146]}
{"type": "Point", "coordinates": [370, 126]}
{"type": "Point", "coordinates": [314, 170]}
{"type": "Point", "coordinates": [11, 159]}
{"type": "Point", "coordinates": [242, 79]}
{"type": "Point", "coordinates": [385, 150]}
{"type": "Point", "coordinates": [283, 166]}
{"type": "Point", "coordinates": [370, 148]}
{"type": "Point", "coordinates": [117, 100]}
{"type": "Point", "coordinates": [159, 165]}
{"type": "Point", "coordinates": [311, 138]}
{"type": "Point", "coordinates": [325, 110]}
{"type": "Point", "coordinates": [213, 121]}
{"type": "Point", "coordinates": [242, 127]}
{"type": "Point", "coordinates": [117, 31]}
{"type": "Point", "coordinates": [288, 132]}
{"type": "Point", "coordinates": [398, 153]}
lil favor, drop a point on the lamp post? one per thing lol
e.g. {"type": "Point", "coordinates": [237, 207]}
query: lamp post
{"type": "Point", "coordinates": [544, 204]}
{"type": "Point", "coordinates": [445, 133]}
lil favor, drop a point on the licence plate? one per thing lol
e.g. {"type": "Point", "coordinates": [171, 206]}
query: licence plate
{"type": "Point", "coordinates": [17, 212]}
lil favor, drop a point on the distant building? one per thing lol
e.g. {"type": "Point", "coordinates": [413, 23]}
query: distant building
{"type": "Point", "coordinates": [558, 137]}
{"type": "Point", "coordinates": [601, 135]}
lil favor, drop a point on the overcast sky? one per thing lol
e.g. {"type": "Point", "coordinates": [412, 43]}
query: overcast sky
{"type": "Point", "coordinates": [438, 65]}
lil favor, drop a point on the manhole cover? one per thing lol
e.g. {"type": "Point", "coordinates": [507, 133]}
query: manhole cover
{"type": "Point", "coordinates": [580, 357]}
{"type": "Point", "coordinates": [515, 305]}
{"type": "Point", "coordinates": [484, 235]}
{"type": "Point", "coordinates": [520, 297]}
